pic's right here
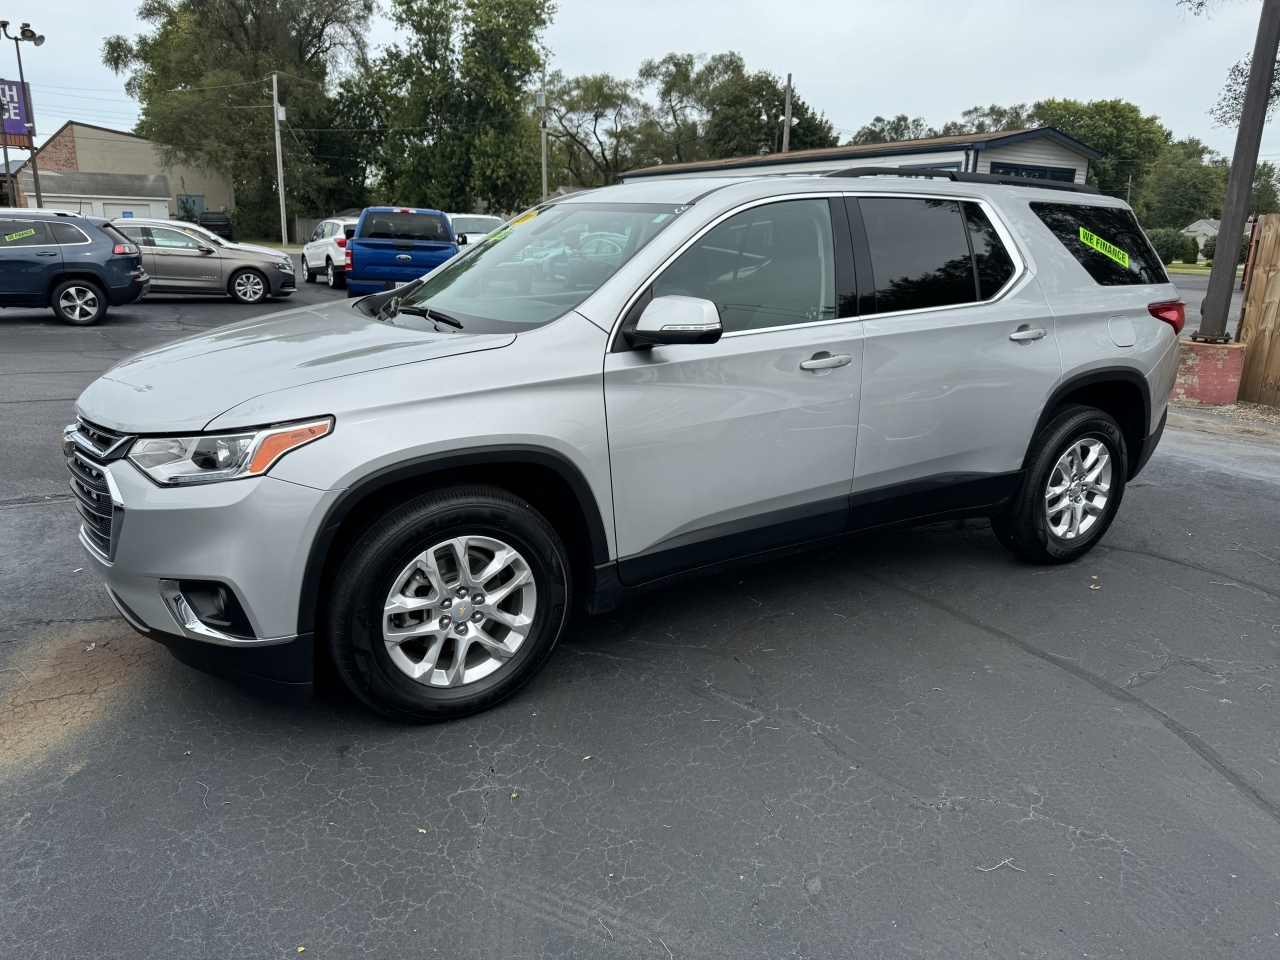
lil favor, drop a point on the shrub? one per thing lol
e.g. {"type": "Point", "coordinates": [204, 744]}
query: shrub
{"type": "Point", "coordinates": [1210, 245]}
{"type": "Point", "coordinates": [1191, 251]}
{"type": "Point", "coordinates": [1169, 243]}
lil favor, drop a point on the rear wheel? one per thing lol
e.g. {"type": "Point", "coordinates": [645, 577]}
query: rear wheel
{"type": "Point", "coordinates": [1075, 479]}
{"type": "Point", "coordinates": [79, 302]}
{"type": "Point", "coordinates": [334, 277]}
{"type": "Point", "coordinates": [448, 604]}
{"type": "Point", "coordinates": [248, 286]}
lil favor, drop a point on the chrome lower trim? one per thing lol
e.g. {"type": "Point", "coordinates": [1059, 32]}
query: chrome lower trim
{"type": "Point", "coordinates": [189, 624]}
{"type": "Point", "coordinates": [89, 545]}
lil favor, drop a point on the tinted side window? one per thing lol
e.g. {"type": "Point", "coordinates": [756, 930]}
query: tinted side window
{"type": "Point", "coordinates": [137, 234]}
{"type": "Point", "coordinates": [1106, 241]}
{"type": "Point", "coordinates": [23, 233]}
{"type": "Point", "coordinates": [66, 233]}
{"type": "Point", "coordinates": [991, 259]}
{"type": "Point", "coordinates": [173, 239]}
{"type": "Point", "coordinates": [919, 253]}
{"type": "Point", "coordinates": [765, 267]}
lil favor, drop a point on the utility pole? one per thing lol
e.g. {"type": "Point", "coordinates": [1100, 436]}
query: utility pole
{"type": "Point", "coordinates": [10, 193]}
{"type": "Point", "coordinates": [1253, 116]}
{"type": "Point", "coordinates": [786, 119]}
{"type": "Point", "coordinates": [542, 105]}
{"type": "Point", "coordinates": [277, 112]}
{"type": "Point", "coordinates": [1128, 190]}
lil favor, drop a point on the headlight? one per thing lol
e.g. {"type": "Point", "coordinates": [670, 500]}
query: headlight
{"type": "Point", "coordinates": [224, 456]}
{"type": "Point", "coordinates": [285, 265]}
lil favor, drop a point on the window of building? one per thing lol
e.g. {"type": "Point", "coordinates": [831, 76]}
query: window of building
{"type": "Point", "coordinates": [769, 266]}
{"type": "Point", "coordinates": [1106, 241]}
{"type": "Point", "coordinates": [919, 253]}
{"type": "Point", "coordinates": [1061, 174]}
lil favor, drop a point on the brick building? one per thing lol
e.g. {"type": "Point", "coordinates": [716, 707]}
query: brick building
{"type": "Point", "coordinates": [110, 173]}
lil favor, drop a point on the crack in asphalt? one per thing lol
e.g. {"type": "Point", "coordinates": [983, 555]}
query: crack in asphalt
{"type": "Point", "coordinates": [1192, 740]}
{"type": "Point", "coordinates": [1270, 591]}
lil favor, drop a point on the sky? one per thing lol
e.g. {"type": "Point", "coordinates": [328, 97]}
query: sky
{"type": "Point", "coordinates": [851, 59]}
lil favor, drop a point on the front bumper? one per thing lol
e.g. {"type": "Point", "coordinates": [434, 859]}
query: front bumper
{"type": "Point", "coordinates": [282, 282]}
{"type": "Point", "coordinates": [251, 536]}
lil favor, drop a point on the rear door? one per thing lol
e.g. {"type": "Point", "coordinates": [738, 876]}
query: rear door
{"type": "Point", "coordinates": [728, 449]}
{"type": "Point", "coordinates": [960, 356]}
{"type": "Point", "coordinates": [180, 263]}
{"type": "Point", "coordinates": [29, 258]}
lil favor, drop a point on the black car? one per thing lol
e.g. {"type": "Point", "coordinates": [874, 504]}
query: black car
{"type": "Point", "coordinates": [78, 266]}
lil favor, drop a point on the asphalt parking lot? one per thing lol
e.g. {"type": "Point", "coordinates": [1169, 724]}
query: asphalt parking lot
{"type": "Point", "coordinates": [910, 746]}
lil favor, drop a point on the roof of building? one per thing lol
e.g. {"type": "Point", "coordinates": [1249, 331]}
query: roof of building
{"type": "Point", "coordinates": [73, 183]}
{"type": "Point", "coordinates": [861, 151]}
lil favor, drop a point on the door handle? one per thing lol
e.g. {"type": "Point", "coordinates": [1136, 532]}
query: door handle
{"type": "Point", "coordinates": [47, 253]}
{"type": "Point", "coordinates": [825, 361]}
{"type": "Point", "coordinates": [1025, 334]}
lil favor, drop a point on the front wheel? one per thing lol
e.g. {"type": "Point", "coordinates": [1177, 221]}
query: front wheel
{"type": "Point", "coordinates": [448, 604]}
{"type": "Point", "coordinates": [248, 286]}
{"type": "Point", "coordinates": [308, 275]}
{"type": "Point", "coordinates": [79, 302]}
{"type": "Point", "coordinates": [1075, 479]}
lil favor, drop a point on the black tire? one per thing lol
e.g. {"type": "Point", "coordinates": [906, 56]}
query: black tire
{"type": "Point", "coordinates": [308, 275]}
{"type": "Point", "coordinates": [243, 289]}
{"type": "Point", "coordinates": [376, 560]}
{"type": "Point", "coordinates": [333, 277]}
{"type": "Point", "coordinates": [1029, 530]}
{"type": "Point", "coordinates": [80, 303]}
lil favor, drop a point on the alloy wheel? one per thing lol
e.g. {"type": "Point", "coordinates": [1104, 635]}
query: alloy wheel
{"type": "Point", "coordinates": [1078, 489]}
{"type": "Point", "coordinates": [330, 275]}
{"type": "Point", "coordinates": [459, 611]}
{"type": "Point", "coordinates": [78, 304]}
{"type": "Point", "coordinates": [249, 287]}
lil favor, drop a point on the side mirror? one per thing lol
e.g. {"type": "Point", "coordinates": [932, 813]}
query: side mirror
{"type": "Point", "coordinates": [676, 320]}
{"type": "Point", "coordinates": [462, 239]}
{"type": "Point", "coordinates": [204, 248]}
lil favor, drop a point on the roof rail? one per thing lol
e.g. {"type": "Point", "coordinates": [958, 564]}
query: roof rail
{"type": "Point", "coordinates": [957, 177]}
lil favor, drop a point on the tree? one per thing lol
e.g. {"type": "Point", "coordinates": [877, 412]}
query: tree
{"type": "Point", "coordinates": [1186, 183]}
{"type": "Point", "coordinates": [989, 119]}
{"type": "Point", "coordinates": [202, 78]}
{"type": "Point", "coordinates": [747, 111]}
{"type": "Point", "coordinates": [901, 127]}
{"type": "Point", "coordinates": [1265, 197]}
{"type": "Point", "coordinates": [593, 120]}
{"type": "Point", "coordinates": [1191, 251]}
{"type": "Point", "coordinates": [1129, 142]}
{"type": "Point", "coordinates": [1169, 243]}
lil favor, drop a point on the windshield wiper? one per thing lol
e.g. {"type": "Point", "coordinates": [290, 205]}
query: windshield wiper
{"type": "Point", "coordinates": [429, 314]}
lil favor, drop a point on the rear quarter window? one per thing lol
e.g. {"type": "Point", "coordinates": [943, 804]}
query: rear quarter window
{"type": "Point", "coordinates": [1106, 241]}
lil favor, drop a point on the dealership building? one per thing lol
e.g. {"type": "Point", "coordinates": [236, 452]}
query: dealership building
{"type": "Point", "coordinates": [1043, 153]}
{"type": "Point", "coordinates": [110, 173]}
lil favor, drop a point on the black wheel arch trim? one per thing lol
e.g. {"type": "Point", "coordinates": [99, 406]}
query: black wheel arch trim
{"type": "Point", "coordinates": [438, 463]}
{"type": "Point", "coordinates": [1105, 375]}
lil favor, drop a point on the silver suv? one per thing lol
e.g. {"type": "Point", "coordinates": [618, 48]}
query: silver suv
{"type": "Point", "coordinates": [615, 390]}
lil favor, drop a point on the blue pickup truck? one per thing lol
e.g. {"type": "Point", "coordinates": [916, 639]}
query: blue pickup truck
{"type": "Point", "coordinates": [393, 245]}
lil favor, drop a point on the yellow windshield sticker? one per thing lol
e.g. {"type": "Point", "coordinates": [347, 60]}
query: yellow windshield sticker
{"type": "Point", "coordinates": [1104, 248]}
{"type": "Point", "coordinates": [523, 218]}
{"type": "Point", "coordinates": [10, 237]}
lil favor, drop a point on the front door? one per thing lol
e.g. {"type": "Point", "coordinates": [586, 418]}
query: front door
{"type": "Point", "coordinates": [735, 448]}
{"type": "Point", "coordinates": [960, 358]}
{"type": "Point", "coordinates": [182, 264]}
{"type": "Point", "coordinates": [29, 257]}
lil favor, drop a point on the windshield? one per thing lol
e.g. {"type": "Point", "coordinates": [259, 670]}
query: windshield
{"type": "Point", "coordinates": [202, 234]}
{"type": "Point", "coordinates": [393, 225]}
{"type": "Point", "coordinates": [539, 267]}
{"type": "Point", "coordinates": [475, 224]}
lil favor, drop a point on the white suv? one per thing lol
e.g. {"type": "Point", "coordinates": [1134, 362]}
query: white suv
{"type": "Point", "coordinates": [325, 253]}
{"type": "Point", "coordinates": [616, 390]}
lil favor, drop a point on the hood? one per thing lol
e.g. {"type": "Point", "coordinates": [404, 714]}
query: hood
{"type": "Point", "coordinates": [185, 384]}
{"type": "Point", "coordinates": [260, 251]}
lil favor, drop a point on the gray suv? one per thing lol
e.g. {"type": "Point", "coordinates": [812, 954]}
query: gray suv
{"type": "Point", "coordinates": [613, 391]}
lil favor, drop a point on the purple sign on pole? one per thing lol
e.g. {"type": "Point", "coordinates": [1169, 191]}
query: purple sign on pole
{"type": "Point", "coordinates": [13, 107]}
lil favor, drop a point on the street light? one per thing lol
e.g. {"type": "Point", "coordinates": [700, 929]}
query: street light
{"type": "Point", "coordinates": [25, 33]}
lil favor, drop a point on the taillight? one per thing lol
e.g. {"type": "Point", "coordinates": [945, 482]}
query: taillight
{"type": "Point", "coordinates": [1172, 312]}
{"type": "Point", "coordinates": [348, 260]}
{"type": "Point", "coordinates": [341, 242]}
{"type": "Point", "coordinates": [125, 250]}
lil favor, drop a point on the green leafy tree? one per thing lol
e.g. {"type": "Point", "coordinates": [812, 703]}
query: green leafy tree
{"type": "Point", "coordinates": [901, 127]}
{"type": "Point", "coordinates": [1186, 183]}
{"type": "Point", "coordinates": [594, 121]}
{"type": "Point", "coordinates": [990, 119]}
{"type": "Point", "coordinates": [202, 78]}
{"type": "Point", "coordinates": [1169, 243]}
{"type": "Point", "coordinates": [1129, 142]}
{"type": "Point", "coordinates": [747, 111]}
{"type": "Point", "coordinates": [1265, 197]}
{"type": "Point", "coordinates": [1191, 251]}
{"type": "Point", "coordinates": [1210, 247]}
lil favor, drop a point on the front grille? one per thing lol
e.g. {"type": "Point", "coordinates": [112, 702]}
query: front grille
{"type": "Point", "coordinates": [103, 443]}
{"type": "Point", "coordinates": [100, 517]}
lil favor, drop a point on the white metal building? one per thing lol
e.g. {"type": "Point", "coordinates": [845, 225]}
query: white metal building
{"type": "Point", "coordinates": [100, 194]}
{"type": "Point", "coordinates": [1042, 152]}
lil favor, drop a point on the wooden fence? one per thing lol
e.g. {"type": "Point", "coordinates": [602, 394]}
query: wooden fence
{"type": "Point", "coordinates": [1259, 327]}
